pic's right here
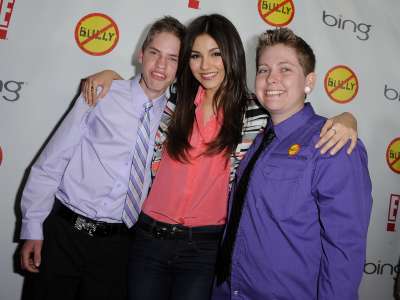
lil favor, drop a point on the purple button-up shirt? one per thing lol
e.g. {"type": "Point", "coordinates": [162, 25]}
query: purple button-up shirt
{"type": "Point", "coordinates": [87, 162]}
{"type": "Point", "coordinates": [303, 230]}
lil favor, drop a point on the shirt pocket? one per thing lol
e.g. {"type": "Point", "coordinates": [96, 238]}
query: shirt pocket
{"type": "Point", "coordinates": [281, 191]}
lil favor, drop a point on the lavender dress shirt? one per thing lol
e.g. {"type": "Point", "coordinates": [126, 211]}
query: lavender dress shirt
{"type": "Point", "coordinates": [87, 162]}
{"type": "Point", "coordinates": [303, 230]}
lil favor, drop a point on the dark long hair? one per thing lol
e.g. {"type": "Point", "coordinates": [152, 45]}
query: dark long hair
{"type": "Point", "coordinates": [231, 97]}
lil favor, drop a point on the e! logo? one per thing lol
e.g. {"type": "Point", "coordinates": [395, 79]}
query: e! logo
{"type": "Point", "coordinates": [194, 4]}
{"type": "Point", "coordinates": [394, 204]}
{"type": "Point", "coordinates": [6, 8]}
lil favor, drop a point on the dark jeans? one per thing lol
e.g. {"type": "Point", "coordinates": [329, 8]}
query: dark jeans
{"type": "Point", "coordinates": [78, 266]}
{"type": "Point", "coordinates": [170, 269]}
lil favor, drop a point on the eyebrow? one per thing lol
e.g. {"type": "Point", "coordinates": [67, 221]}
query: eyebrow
{"type": "Point", "coordinates": [159, 51]}
{"type": "Point", "coordinates": [212, 49]}
{"type": "Point", "coordinates": [280, 63]}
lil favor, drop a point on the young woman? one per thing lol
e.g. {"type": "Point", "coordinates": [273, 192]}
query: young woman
{"type": "Point", "coordinates": [206, 129]}
{"type": "Point", "coordinates": [298, 221]}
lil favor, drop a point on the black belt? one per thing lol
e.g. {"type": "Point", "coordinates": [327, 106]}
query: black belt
{"type": "Point", "coordinates": [163, 230]}
{"type": "Point", "coordinates": [89, 226]}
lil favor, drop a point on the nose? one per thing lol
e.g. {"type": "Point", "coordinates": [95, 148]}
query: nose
{"type": "Point", "coordinates": [161, 62]}
{"type": "Point", "coordinates": [273, 77]}
{"type": "Point", "coordinates": [204, 63]}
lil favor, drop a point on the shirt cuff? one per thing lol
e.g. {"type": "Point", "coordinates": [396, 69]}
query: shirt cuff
{"type": "Point", "coordinates": [31, 231]}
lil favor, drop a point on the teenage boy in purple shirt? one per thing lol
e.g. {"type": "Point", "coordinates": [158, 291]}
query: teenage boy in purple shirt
{"type": "Point", "coordinates": [303, 216]}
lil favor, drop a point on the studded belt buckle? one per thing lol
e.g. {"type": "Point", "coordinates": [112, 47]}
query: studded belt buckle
{"type": "Point", "coordinates": [81, 224]}
{"type": "Point", "coordinates": [160, 232]}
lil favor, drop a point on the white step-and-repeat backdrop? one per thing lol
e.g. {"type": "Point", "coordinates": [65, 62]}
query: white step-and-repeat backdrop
{"type": "Point", "coordinates": [47, 46]}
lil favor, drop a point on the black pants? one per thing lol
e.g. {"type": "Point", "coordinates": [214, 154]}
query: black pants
{"type": "Point", "coordinates": [170, 269]}
{"type": "Point", "coordinates": [78, 266]}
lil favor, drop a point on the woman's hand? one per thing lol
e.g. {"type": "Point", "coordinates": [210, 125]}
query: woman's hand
{"type": "Point", "coordinates": [102, 79]}
{"type": "Point", "coordinates": [336, 132]}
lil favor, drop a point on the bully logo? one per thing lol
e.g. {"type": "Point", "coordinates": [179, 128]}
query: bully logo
{"type": "Point", "coordinates": [361, 29]}
{"type": "Point", "coordinates": [341, 84]}
{"type": "Point", "coordinates": [96, 34]}
{"type": "Point", "coordinates": [6, 9]}
{"type": "Point", "coordinates": [393, 155]}
{"type": "Point", "coordinates": [394, 203]}
{"type": "Point", "coordinates": [276, 12]}
{"type": "Point", "coordinates": [9, 90]}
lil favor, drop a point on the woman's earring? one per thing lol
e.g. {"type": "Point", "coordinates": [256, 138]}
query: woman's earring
{"type": "Point", "coordinates": [307, 90]}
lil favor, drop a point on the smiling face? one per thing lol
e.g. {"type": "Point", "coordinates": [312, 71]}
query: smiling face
{"type": "Point", "coordinates": [159, 64]}
{"type": "Point", "coordinates": [280, 82]}
{"type": "Point", "coordinates": [206, 63]}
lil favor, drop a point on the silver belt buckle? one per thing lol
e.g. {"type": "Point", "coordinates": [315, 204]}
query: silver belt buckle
{"type": "Point", "coordinates": [81, 224]}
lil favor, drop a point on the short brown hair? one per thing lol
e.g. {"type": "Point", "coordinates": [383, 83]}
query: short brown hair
{"type": "Point", "coordinates": [166, 24]}
{"type": "Point", "coordinates": [287, 37]}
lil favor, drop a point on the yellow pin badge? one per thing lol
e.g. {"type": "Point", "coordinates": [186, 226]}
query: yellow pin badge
{"type": "Point", "coordinates": [294, 149]}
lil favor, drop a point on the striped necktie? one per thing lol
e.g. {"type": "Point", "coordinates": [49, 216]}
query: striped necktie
{"type": "Point", "coordinates": [133, 202]}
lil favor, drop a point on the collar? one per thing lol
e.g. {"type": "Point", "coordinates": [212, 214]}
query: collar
{"type": "Point", "coordinates": [285, 128]}
{"type": "Point", "coordinates": [199, 96]}
{"type": "Point", "coordinates": [199, 99]}
{"type": "Point", "coordinates": [141, 98]}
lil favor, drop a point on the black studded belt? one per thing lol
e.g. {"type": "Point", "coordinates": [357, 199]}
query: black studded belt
{"type": "Point", "coordinates": [89, 226]}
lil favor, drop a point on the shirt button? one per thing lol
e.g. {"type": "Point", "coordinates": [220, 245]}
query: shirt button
{"type": "Point", "coordinates": [236, 293]}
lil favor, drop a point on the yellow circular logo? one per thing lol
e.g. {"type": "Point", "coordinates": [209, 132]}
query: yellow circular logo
{"type": "Point", "coordinates": [393, 155]}
{"type": "Point", "coordinates": [294, 149]}
{"type": "Point", "coordinates": [341, 84]}
{"type": "Point", "coordinates": [276, 12]}
{"type": "Point", "coordinates": [96, 34]}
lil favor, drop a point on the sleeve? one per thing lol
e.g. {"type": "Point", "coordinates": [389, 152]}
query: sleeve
{"type": "Point", "coordinates": [342, 187]}
{"type": "Point", "coordinates": [46, 173]}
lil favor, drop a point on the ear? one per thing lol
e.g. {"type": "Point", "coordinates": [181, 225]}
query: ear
{"type": "Point", "coordinates": [140, 57]}
{"type": "Point", "coordinates": [310, 80]}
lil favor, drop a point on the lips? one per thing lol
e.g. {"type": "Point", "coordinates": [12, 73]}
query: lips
{"type": "Point", "coordinates": [208, 76]}
{"type": "Point", "coordinates": [158, 75]}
